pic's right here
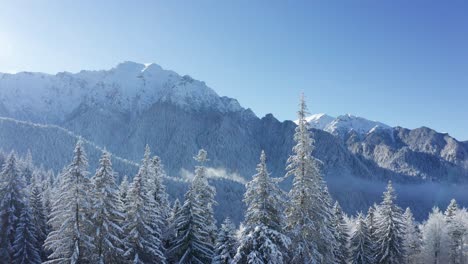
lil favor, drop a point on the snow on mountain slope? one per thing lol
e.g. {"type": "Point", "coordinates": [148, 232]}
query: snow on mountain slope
{"type": "Point", "coordinates": [344, 124]}
{"type": "Point", "coordinates": [129, 86]}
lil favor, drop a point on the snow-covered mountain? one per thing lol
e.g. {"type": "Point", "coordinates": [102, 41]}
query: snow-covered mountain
{"type": "Point", "coordinates": [344, 124]}
{"type": "Point", "coordinates": [129, 87]}
{"type": "Point", "coordinates": [133, 104]}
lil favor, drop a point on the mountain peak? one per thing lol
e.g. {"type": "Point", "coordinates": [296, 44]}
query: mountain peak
{"type": "Point", "coordinates": [344, 124]}
{"type": "Point", "coordinates": [129, 86]}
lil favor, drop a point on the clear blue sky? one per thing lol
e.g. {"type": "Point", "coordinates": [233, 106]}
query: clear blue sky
{"type": "Point", "coordinates": [400, 62]}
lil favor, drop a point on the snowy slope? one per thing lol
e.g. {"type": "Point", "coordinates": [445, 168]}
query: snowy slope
{"type": "Point", "coordinates": [129, 86]}
{"type": "Point", "coordinates": [344, 124]}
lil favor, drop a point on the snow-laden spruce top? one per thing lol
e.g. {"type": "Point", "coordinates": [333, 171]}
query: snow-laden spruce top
{"type": "Point", "coordinates": [128, 86]}
{"type": "Point", "coordinates": [344, 124]}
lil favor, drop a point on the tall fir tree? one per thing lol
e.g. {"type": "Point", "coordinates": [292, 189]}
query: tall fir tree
{"type": "Point", "coordinates": [412, 238]}
{"type": "Point", "coordinates": [390, 230]}
{"type": "Point", "coordinates": [262, 239]}
{"type": "Point", "coordinates": [309, 211]}
{"type": "Point", "coordinates": [143, 243]}
{"type": "Point", "coordinates": [25, 247]}
{"type": "Point", "coordinates": [38, 217]}
{"type": "Point", "coordinates": [341, 235]}
{"type": "Point", "coordinates": [71, 238]}
{"type": "Point", "coordinates": [361, 251]}
{"type": "Point", "coordinates": [159, 189]}
{"type": "Point", "coordinates": [371, 226]}
{"type": "Point", "coordinates": [123, 191]}
{"type": "Point", "coordinates": [192, 234]}
{"type": "Point", "coordinates": [456, 230]}
{"type": "Point", "coordinates": [226, 243]}
{"type": "Point", "coordinates": [107, 216]}
{"type": "Point", "coordinates": [205, 194]}
{"type": "Point", "coordinates": [13, 197]}
{"type": "Point", "coordinates": [435, 239]}
{"type": "Point", "coordinates": [171, 230]}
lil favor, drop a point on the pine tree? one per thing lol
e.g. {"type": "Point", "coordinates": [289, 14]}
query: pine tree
{"type": "Point", "coordinates": [142, 235]}
{"type": "Point", "coordinates": [191, 244]}
{"type": "Point", "coordinates": [262, 239]}
{"type": "Point", "coordinates": [70, 240]}
{"type": "Point", "coordinates": [27, 167]}
{"type": "Point", "coordinates": [361, 244]}
{"type": "Point", "coordinates": [456, 231]}
{"type": "Point", "coordinates": [170, 231]}
{"type": "Point", "coordinates": [38, 217]}
{"type": "Point", "coordinates": [123, 191]}
{"type": "Point", "coordinates": [12, 202]}
{"type": "Point", "coordinates": [25, 247]}
{"type": "Point", "coordinates": [435, 238]}
{"type": "Point", "coordinates": [107, 216]}
{"type": "Point", "coordinates": [371, 226]}
{"type": "Point", "coordinates": [159, 189]}
{"type": "Point", "coordinates": [412, 238]}
{"type": "Point", "coordinates": [309, 211]}
{"type": "Point", "coordinates": [205, 194]}
{"type": "Point", "coordinates": [226, 243]}
{"type": "Point", "coordinates": [390, 229]}
{"type": "Point", "coordinates": [341, 235]}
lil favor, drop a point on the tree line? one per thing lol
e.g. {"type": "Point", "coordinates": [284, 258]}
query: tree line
{"type": "Point", "coordinates": [81, 218]}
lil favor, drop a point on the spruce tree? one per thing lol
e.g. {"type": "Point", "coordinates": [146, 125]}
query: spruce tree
{"type": "Point", "coordinates": [262, 239]}
{"type": "Point", "coordinates": [456, 231]}
{"type": "Point", "coordinates": [192, 234]}
{"type": "Point", "coordinates": [205, 194]}
{"type": "Point", "coordinates": [309, 211]}
{"type": "Point", "coordinates": [13, 197]}
{"type": "Point", "coordinates": [361, 251]}
{"type": "Point", "coordinates": [70, 240]}
{"type": "Point", "coordinates": [390, 230]}
{"type": "Point", "coordinates": [143, 243]}
{"type": "Point", "coordinates": [123, 191]}
{"type": "Point", "coordinates": [412, 238]}
{"type": "Point", "coordinates": [226, 243]}
{"type": "Point", "coordinates": [159, 189]}
{"type": "Point", "coordinates": [25, 247]}
{"type": "Point", "coordinates": [371, 226]}
{"type": "Point", "coordinates": [38, 217]}
{"type": "Point", "coordinates": [107, 215]}
{"type": "Point", "coordinates": [341, 235]}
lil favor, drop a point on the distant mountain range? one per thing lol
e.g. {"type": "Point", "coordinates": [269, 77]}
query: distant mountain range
{"type": "Point", "coordinates": [135, 104]}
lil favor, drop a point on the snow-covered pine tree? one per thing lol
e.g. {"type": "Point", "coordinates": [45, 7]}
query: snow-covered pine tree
{"type": "Point", "coordinates": [170, 231]}
{"type": "Point", "coordinates": [390, 230]}
{"type": "Point", "coordinates": [38, 217]}
{"type": "Point", "coordinates": [160, 197]}
{"type": "Point", "coordinates": [107, 216]}
{"type": "Point", "coordinates": [226, 243]}
{"type": "Point", "coordinates": [262, 239]}
{"type": "Point", "coordinates": [141, 226]}
{"type": "Point", "coordinates": [27, 167]}
{"type": "Point", "coordinates": [159, 189]}
{"type": "Point", "coordinates": [412, 238]}
{"type": "Point", "coordinates": [309, 211]}
{"type": "Point", "coordinates": [192, 235]}
{"type": "Point", "coordinates": [371, 226]}
{"type": "Point", "coordinates": [123, 191]}
{"type": "Point", "coordinates": [341, 235]}
{"type": "Point", "coordinates": [435, 238]}
{"type": "Point", "coordinates": [25, 247]}
{"type": "Point", "coordinates": [361, 251]}
{"type": "Point", "coordinates": [205, 194]}
{"type": "Point", "coordinates": [456, 231]}
{"type": "Point", "coordinates": [13, 198]}
{"type": "Point", "coordinates": [70, 240]}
